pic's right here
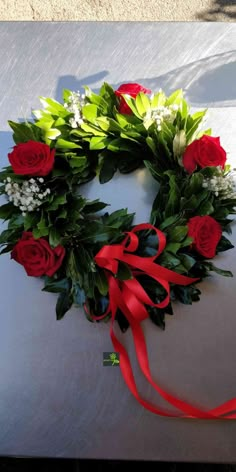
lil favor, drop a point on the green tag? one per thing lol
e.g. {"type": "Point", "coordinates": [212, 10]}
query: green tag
{"type": "Point", "coordinates": [111, 359]}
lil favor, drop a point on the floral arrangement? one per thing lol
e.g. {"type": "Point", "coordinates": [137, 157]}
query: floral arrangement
{"type": "Point", "coordinates": [99, 260]}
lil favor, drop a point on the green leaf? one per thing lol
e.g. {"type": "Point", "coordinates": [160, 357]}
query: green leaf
{"type": "Point", "coordinates": [169, 260]}
{"type": "Point", "coordinates": [42, 226]}
{"type": "Point", "coordinates": [64, 303]}
{"type": "Point", "coordinates": [97, 143]}
{"type": "Point", "coordinates": [96, 232]}
{"type": "Point", "coordinates": [8, 235]}
{"type": "Point", "coordinates": [119, 219]}
{"type": "Point", "coordinates": [101, 282]}
{"type": "Point", "coordinates": [78, 162]}
{"type": "Point", "coordinates": [224, 245]}
{"type": "Point", "coordinates": [157, 316]}
{"type": "Point", "coordinates": [54, 237]}
{"type": "Point", "coordinates": [195, 184]}
{"type": "Point", "coordinates": [52, 133]}
{"type": "Point", "coordinates": [107, 92]}
{"type": "Point", "coordinates": [186, 242]}
{"type": "Point", "coordinates": [58, 200]}
{"type": "Point", "coordinates": [203, 133]}
{"type": "Point", "coordinates": [173, 247]}
{"type": "Point", "coordinates": [211, 267]}
{"type": "Point", "coordinates": [178, 233]}
{"type": "Point", "coordinates": [169, 221]}
{"type": "Point", "coordinates": [59, 122]}
{"type": "Point", "coordinates": [117, 145]}
{"type": "Point", "coordinates": [62, 214]}
{"type": "Point", "coordinates": [142, 103]}
{"type": "Point", "coordinates": [16, 221]}
{"type": "Point", "coordinates": [7, 249]}
{"type": "Point", "coordinates": [37, 233]}
{"type": "Point", "coordinates": [66, 95]}
{"type": "Point", "coordinates": [220, 213]}
{"type": "Point", "coordinates": [172, 205]}
{"type": "Point", "coordinates": [129, 122]}
{"type": "Point", "coordinates": [131, 102]}
{"type": "Point", "coordinates": [94, 206]}
{"type": "Point", "coordinates": [124, 272]}
{"type": "Point", "coordinates": [128, 162]}
{"type": "Point", "coordinates": [187, 261]}
{"type": "Point", "coordinates": [53, 107]}
{"type": "Point", "coordinates": [206, 208]}
{"type": "Point", "coordinates": [184, 109]}
{"type": "Point", "coordinates": [159, 99]}
{"type": "Point", "coordinates": [24, 132]}
{"type": "Point", "coordinates": [189, 204]}
{"type": "Point", "coordinates": [175, 98]}
{"type": "Point", "coordinates": [6, 211]}
{"type": "Point", "coordinates": [108, 168]}
{"type": "Point", "coordinates": [151, 144]}
{"type": "Point", "coordinates": [90, 112]}
{"type": "Point", "coordinates": [183, 294]}
{"type": "Point", "coordinates": [91, 129]}
{"type": "Point", "coordinates": [64, 144]}
{"type": "Point", "coordinates": [95, 99]}
{"type": "Point", "coordinates": [195, 121]}
{"type": "Point", "coordinates": [72, 266]}
{"type": "Point", "coordinates": [31, 220]}
{"type": "Point", "coordinates": [56, 286]}
{"type": "Point", "coordinates": [45, 123]}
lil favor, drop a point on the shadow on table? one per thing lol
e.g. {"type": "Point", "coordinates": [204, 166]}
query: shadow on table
{"type": "Point", "coordinates": [208, 82]}
{"type": "Point", "coordinates": [73, 83]}
{"type": "Point", "coordinates": [220, 9]}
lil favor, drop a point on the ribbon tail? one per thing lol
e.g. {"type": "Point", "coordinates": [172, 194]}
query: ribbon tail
{"type": "Point", "coordinates": [224, 411]}
{"type": "Point", "coordinates": [125, 365]}
{"type": "Point", "coordinates": [142, 355]}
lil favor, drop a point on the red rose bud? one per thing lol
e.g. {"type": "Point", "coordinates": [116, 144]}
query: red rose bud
{"type": "Point", "coordinates": [36, 256]}
{"type": "Point", "coordinates": [204, 152]}
{"type": "Point", "coordinates": [206, 233]}
{"type": "Point", "coordinates": [128, 89]}
{"type": "Point", "coordinates": [32, 158]}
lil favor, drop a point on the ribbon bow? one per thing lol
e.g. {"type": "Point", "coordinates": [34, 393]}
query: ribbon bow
{"type": "Point", "coordinates": [130, 297]}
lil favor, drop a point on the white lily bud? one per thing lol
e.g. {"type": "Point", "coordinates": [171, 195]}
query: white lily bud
{"type": "Point", "coordinates": [179, 143]}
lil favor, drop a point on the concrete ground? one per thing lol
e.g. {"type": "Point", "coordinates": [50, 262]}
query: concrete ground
{"type": "Point", "coordinates": [118, 10]}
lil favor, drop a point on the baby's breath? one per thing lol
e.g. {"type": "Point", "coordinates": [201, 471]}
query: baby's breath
{"type": "Point", "coordinates": [27, 195]}
{"type": "Point", "coordinates": [74, 105]}
{"type": "Point", "coordinates": [222, 185]}
{"type": "Point", "coordinates": [162, 114]}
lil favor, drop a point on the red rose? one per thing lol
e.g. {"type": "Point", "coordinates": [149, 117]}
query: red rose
{"type": "Point", "coordinates": [206, 233]}
{"type": "Point", "coordinates": [37, 257]}
{"type": "Point", "coordinates": [32, 158]}
{"type": "Point", "coordinates": [204, 152]}
{"type": "Point", "coordinates": [129, 89]}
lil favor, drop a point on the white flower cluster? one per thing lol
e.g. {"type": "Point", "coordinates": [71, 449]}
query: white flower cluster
{"type": "Point", "coordinates": [26, 195]}
{"type": "Point", "coordinates": [163, 113]}
{"type": "Point", "coordinates": [75, 103]}
{"type": "Point", "coordinates": [221, 185]}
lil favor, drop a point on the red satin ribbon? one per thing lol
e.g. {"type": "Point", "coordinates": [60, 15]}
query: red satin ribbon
{"type": "Point", "coordinates": [130, 297]}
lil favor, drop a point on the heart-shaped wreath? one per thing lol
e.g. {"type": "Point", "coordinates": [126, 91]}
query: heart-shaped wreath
{"type": "Point", "coordinates": [99, 261]}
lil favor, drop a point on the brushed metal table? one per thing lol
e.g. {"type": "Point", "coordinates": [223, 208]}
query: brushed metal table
{"type": "Point", "coordinates": [56, 399]}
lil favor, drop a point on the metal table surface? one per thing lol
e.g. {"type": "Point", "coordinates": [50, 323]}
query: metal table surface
{"type": "Point", "coordinates": [56, 399]}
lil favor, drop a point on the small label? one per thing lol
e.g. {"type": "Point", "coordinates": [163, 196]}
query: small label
{"type": "Point", "coordinates": [111, 359]}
